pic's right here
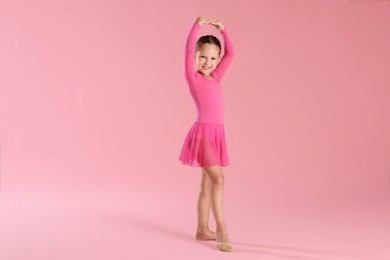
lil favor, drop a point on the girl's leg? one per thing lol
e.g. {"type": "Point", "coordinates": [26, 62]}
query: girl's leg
{"type": "Point", "coordinates": [203, 231]}
{"type": "Point", "coordinates": [217, 186]}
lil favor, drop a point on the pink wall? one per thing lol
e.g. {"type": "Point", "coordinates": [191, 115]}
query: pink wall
{"type": "Point", "coordinates": [93, 95]}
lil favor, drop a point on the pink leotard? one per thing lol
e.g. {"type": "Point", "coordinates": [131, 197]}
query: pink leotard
{"type": "Point", "coordinates": [205, 92]}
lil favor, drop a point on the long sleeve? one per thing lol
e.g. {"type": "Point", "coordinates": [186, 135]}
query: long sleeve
{"type": "Point", "coordinates": [228, 56]}
{"type": "Point", "coordinates": [189, 52]}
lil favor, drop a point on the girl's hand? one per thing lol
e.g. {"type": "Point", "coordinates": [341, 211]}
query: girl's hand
{"type": "Point", "coordinates": [203, 20]}
{"type": "Point", "coordinates": [217, 24]}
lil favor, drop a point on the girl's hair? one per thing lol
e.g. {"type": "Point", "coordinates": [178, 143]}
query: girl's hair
{"type": "Point", "coordinates": [208, 39]}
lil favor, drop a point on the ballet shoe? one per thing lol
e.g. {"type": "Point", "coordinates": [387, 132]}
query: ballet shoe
{"type": "Point", "coordinates": [204, 239]}
{"type": "Point", "coordinates": [199, 238]}
{"type": "Point", "coordinates": [225, 247]}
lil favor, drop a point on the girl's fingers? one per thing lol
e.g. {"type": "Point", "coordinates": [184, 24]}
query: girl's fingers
{"type": "Point", "coordinates": [215, 22]}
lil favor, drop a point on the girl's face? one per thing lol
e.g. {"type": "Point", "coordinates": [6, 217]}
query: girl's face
{"type": "Point", "coordinates": [207, 58]}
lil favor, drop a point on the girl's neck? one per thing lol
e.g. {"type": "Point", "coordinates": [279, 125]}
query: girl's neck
{"type": "Point", "coordinates": [209, 76]}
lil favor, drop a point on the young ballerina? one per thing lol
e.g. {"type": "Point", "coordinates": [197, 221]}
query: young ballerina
{"type": "Point", "coordinates": [205, 145]}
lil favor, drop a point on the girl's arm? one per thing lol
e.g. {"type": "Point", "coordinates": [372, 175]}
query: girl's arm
{"type": "Point", "coordinates": [229, 53]}
{"type": "Point", "coordinates": [189, 61]}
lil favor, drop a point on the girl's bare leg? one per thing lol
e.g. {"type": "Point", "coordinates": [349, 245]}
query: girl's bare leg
{"type": "Point", "coordinates": [217, 187]}
{"type": "Point", "coordinates": [204, 202]}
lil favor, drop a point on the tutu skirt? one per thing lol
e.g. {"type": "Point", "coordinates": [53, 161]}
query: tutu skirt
{"type": "Point", "coordinates": [205, 145]}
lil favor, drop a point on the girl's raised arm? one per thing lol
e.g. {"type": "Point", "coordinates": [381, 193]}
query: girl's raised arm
{"type": "Point", "coordinates": [228, 56]}
{"type": "Point", "coordinates": [189, 61]}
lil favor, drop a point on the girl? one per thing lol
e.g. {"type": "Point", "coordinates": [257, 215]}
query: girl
{"type": "Point", "coordinates": [205, 145]}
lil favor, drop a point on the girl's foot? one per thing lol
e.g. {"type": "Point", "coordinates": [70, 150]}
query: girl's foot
{"type": "Point", "coordinates": [224, 247]}
{"type": "Point", "coordinates": [223, 241]}
{"type": "Point", "coordinates": [205, 235]}
{"type": "Point", "coordinates": [222, 235]}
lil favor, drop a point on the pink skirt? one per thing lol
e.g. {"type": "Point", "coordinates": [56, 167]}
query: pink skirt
{"type": "Point", "coordinates": [205, 145]}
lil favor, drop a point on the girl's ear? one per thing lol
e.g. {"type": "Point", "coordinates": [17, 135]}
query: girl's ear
{"type": "Point", "coordinates": [195, 54]}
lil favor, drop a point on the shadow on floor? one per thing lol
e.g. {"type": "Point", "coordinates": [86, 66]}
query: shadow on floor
{"type": "Point", "coordinates": [283, 252]}
{"type": "Point", "coordinates": [317, 253]}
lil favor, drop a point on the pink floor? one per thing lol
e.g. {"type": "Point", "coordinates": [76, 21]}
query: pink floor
{"type": "Point", "coordinates": [109, 223]}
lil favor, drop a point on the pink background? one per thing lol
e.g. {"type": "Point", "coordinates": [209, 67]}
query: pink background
{"type": "Point", "coordinates": [94, 109]}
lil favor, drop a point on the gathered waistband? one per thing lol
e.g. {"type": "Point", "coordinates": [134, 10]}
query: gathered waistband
{"type": "Point", "coordinates": [210, 123]}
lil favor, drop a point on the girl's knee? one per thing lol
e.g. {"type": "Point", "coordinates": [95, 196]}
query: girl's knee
{"type": "Point", "coordinates": [219, 180]}
{"type": "Point", "coordinates": [215, 174]}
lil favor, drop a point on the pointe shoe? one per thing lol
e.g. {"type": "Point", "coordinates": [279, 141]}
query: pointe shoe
{"type": "Point", "coordinates": [225, 247]}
